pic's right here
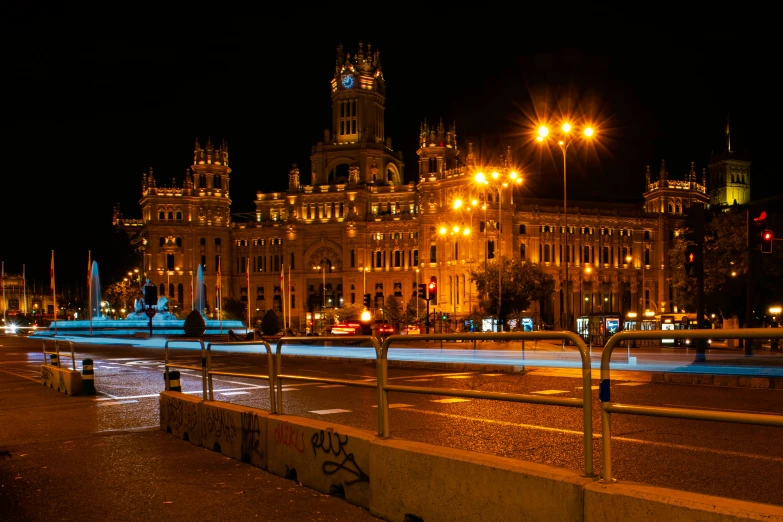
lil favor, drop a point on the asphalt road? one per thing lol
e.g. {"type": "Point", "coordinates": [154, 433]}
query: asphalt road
{"type": "Point", "coordinates": [729, 460]}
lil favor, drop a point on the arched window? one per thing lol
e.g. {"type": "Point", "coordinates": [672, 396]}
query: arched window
{"type": "Point", "coordinates": [522, 229]}
{"type": "Point", "coordinates": [179, 215]}
{"type": "Point", "coordinates": [161, 215]}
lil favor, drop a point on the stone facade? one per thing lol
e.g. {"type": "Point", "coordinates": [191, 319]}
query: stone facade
{"type": "Point", "coordinates": [353, 226]}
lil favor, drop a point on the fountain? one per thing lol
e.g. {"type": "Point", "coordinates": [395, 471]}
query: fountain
{"type": "Point", "coordinates": [164, 322]}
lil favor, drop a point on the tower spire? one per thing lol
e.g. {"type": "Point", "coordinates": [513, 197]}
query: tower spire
{"type": "Point", "coordinates": [728, 134]}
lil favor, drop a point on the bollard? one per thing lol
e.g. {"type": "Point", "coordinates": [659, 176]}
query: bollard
{"type": "Point", "coordinates": [88, 378]}
{"type": "Point", "coordinates": [173, 384]}
{"type": "Point", "coordinates": [54, 359]}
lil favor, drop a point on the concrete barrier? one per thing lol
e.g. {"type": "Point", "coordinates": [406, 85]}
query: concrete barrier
{"type": "Point", "coordinates": [403, 480]}
{"type": "Point", "coordinates": [326, 457]}
{"type": "Point", "coordinates": [436, 483]}
{"type": "Point", "coordinates": [63, 380]}
{"type": "Point", "coordinates": [642, 503]}
{"type": "Point", "coordinates": [180, 415]}
{"type": "Point", "coordinates": [235, 431]}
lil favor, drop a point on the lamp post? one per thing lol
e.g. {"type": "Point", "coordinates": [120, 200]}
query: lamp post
{"type": "Point", "coordinates": [497, 183]}
{"type": "Point", "coordinates": [471, 209]}
{"type": "Point", "coordinates": [565, 140]}
{"type": "Point", "coordinates": [629, 259]}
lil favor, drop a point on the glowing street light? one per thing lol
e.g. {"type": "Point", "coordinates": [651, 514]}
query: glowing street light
{"type": "Point", "coordinates": [564, 141]}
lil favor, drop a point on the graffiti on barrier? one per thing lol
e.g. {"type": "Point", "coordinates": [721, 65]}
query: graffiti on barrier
{"type": "Point", "coordinates": [290, 436]}
{"type": "Point", "coordinates": [251, 436]}
{"type": "Point", "coordinates": [333, 444]}
{"type": "Point", "coordinates": [220, 424]}
{"type": "Point", "coordinates": [46, 374]}
{"type": "Point", "coordinates": [181, 415]}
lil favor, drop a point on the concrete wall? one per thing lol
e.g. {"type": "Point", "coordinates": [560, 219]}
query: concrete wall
{"type": "Point", "coordinates": [61, 379]}
{"type": "Point", "coordinates": [396, 479]}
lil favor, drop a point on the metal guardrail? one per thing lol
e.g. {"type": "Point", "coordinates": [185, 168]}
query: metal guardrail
{"type": "Point", "coordinates": [57, 352]}
{"type": "Point", "coordinates": [339, 339]}
{"type": "Point", "coordinates": [202, 368]}
{"type": "Point", "coordinates": [270, 377]}
{"type": "Point", "coordinates": [608, 407]}
{"type": "Point", "coordinates": [585, 402]}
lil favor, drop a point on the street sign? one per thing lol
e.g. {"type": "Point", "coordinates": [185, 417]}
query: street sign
{"type": "Point", "coordinates": [150, 312]}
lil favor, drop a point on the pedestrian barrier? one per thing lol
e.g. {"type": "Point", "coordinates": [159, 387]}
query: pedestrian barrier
{"type": "Point", "coordinates": [338, 339]}
{"type": "Point", "coordinates": [53, 375]}
{"type": "Point", "coordinates": [608, 407]}
{"type": "Point", "coordinates": [167, 378]}
{"type": "Point", "coordinates": [585, 402]}
{"type": "Point", "coordinates": [88, 377]}
{"type": "Point", "coordinates": [269, 377]}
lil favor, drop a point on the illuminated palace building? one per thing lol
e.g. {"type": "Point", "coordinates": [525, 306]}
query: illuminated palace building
{"type": "Point", "coordinates": [352, 226]}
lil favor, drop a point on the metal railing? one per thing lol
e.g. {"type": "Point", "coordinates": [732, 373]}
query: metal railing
{"type": "Point", "coordinates": [270, 377]}
{"type": "Point", "coordinates": [607, 407]}
{"type": "Point", "coordinates": [203, 368]}
{"type": "Point", "coordinates": [585, 402]}
{"type": "Point", "coordinates": [339, 339]}
{"type": "Point", "coordinates": [58, 353]}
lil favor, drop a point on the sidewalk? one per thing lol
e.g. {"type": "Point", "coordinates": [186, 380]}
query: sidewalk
{"type": "Point", "coordinates": [55, 465]}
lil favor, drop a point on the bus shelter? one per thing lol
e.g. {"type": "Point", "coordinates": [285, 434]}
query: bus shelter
{"type": "Point", "coordinates": [596, 329]}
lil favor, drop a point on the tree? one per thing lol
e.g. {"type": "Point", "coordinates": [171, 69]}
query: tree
{"type": "Point", "coordinates": [234, 309]}
{"type": "Point", "coordinates": [348, 312]}
{"type": "Point", "coordinates": [411, 313]}
{"type": "Point", "coordinates": [270, 325]}
{"type": "Point", "coordinates": [725, 266]}
{"type": "Point", "coordinates": [392, 311]}
{"type": "Point", "coordinates": [119, 295]}
{"type": "Point", "coordinates": [522, 282]}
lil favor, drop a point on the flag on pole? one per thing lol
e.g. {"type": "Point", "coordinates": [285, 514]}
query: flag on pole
{"type": "Point", "coordinates": [282, 293]}
{"type": "Point", "coordinates": [54, 294]}
{"type": "Point", "coordinates": [289, 295]}
{"type": "Point", "coordinates": [89, 287]}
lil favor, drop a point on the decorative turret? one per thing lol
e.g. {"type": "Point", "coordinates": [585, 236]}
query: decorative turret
{"type": "Point", "coordinates": [673, 196]}
{"type": "Point", "coordinates": [437, 137]}
{"type": "Point", "coordinates": [471, 159]}
{"type": "Point", "coordinates": [647, 178]}
{"type": "Point", "coordinates": [438, 150]}
{"type": "Point", "coordinates": [293, 179]}
{"type": "Point", "coordinates": [358, 97]}
{"type": "Point", "coordinates": [692, 174]}
{"type": "Point", "coordinates": [729, 175]}
{"type": "Point", "coordinates": [210, 155]}
{"type": "Point", "coordinates": [151, 179]}
{"type": "Point", "coordinates": [662, 174]}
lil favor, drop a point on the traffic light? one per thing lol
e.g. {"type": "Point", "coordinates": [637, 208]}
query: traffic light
{"type": "Point", "coordinates": [692, 261]}
{"type": "Point", "coordinates": [367, 300]}
{"type": "Point", "coordinates": [432, 289]}
{"type": "Point", "coordinates": [423, 291]}
{"type": "Point", "coordinates": [444, 317]}
{"type": "Point", "coordinates": [766, 241]}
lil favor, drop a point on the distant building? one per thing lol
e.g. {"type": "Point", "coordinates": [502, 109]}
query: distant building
{"type": "Point", "coordinates": [350, 225]}
{"type": "Point", "coordinates": [729, 176]}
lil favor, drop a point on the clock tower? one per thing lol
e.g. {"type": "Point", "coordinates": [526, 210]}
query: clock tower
{"type": "Point", "coordinates": [355, 150]}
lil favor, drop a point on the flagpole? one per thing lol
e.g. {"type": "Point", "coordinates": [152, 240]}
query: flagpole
{"type": "Point", "coordinates": [247, 278]}
{"type": "Point", "coordinates": [89, 286]}
{"type": "Point", "coordinates": [4, 301]}
{"type": "Point", "coordinates": [219, 291]}
{"type": "Point", "coordinates": [282, 291]}
{"type": "Point", "coordinates": [288, 287]}
{"type": "Point", "coordinates": [24, 290]}
{"type": "Point", "coordinates": [192, 303]}
{"type": "Point", "coordinates": [54, 294]}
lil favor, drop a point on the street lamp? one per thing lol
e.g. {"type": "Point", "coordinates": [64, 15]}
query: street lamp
{"type": "Point", "coordinates": [497, 183]}
{"type": "Point", "coordinates": [322, 268]}
{"type": "Point", "coordinates": [564, 141]}
{"type": "Point", "coordinates": [629, 259]}
{"type": "Point", "coordinates": [470, 209]}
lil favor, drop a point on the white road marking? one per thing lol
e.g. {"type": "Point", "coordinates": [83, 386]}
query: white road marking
{"type": "Point", "coordinates": [631, 383]}
{"type": "Point", "coordinates": [419, 380]}
{"type": "Point", "coordinates": [492, 374]}
{"type": "Point", "coordinates": [117, 403]}
{"type": "Point", "coordinates": [549, 392]}
{"type": "Point", "coordinates": [458, 377]}
{"type": "Point", "coordinates": [451, 400]}
{"type": "Point", "coordinates": [329, 412]}
{"type": "Point", "coordinates": [235, 393]}
{"type": "Point", "coordinates": [115, 398]}
{"type": "Point", "coordinates": [332, 386]}
{"type": "Point", "coordinates": [396, 406]}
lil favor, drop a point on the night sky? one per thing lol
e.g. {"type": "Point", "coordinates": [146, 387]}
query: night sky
{"type": "Point", "coordinates": [93, 100]}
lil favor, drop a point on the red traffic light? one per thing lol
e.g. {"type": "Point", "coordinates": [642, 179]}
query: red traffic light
{"type": "Point", "coordinates": [432, 286]}
{"type": "Point", "coordinates": [762, 217]}
{"type": "Point", "coordinates": [691, 257]}
{"type": "Point", "coordinates": [767, 235]}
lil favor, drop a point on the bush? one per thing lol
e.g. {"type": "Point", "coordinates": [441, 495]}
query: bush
{"type": "Point", "coordinates": [195, 326]}
{"type": "Point", "coordinates": [270, 325]}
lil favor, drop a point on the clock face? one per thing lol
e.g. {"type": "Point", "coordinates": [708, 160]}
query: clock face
{"type": "Point", "coordinates": [348, 82]}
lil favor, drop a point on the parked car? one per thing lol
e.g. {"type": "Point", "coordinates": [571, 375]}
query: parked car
{"type": "Point", "coordinates": [412, 329]}
{"type": "Point", "coordinates": [385, 329]}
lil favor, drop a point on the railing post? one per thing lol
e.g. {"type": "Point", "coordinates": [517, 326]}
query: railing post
{"type": "Point", "coordinates": [270, 362]}
{"type": "Point", "coordinates": [278, 369]}
{"type": "Point", "coordinates": [210, 384]}
{"type": "Point", "coordinates": [204, 371]}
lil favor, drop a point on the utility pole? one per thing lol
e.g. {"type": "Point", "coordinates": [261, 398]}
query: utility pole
{"type": "Point", "coordinates": [754, 226]}
{"type": "Point", "coordinates": [695, 221]}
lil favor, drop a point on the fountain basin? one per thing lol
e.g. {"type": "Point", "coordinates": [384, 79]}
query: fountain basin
{"type": "Point", "coordinates": [160, 326]}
